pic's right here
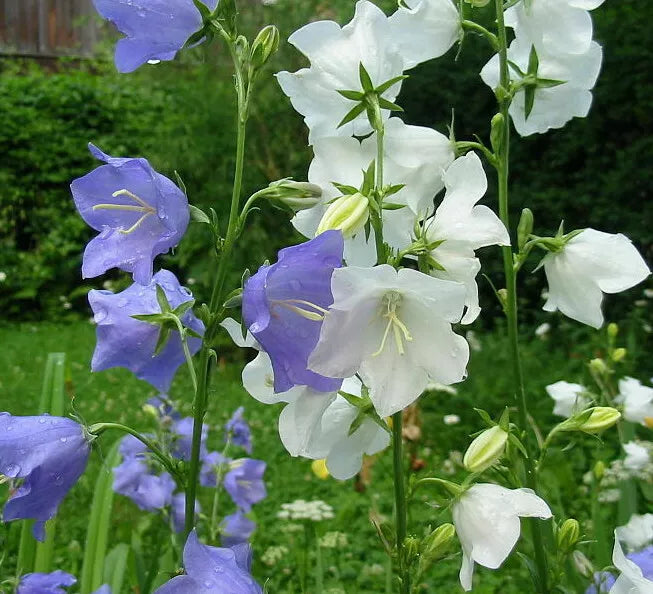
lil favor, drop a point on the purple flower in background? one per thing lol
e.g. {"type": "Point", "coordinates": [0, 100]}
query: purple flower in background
{"type": "Point", "coordinates": [244, 482]}
{"type": "Point", "coordinates": [178, 511]}
{"type": "Point", "coordinates": [236, 529]}
{"type": "Point", "coordinates": [164, 408]}
{"type": "Point", "coordinates": [605, 580]}
{"type": "Point", "coordinates": [49, 454]}
{"type": "Point", "coordinates": [138, 212]}
{"type": "Point", "coordinates": [123, 341]}
{"type": "Point", "coordinates": [212, 569]}
{"type": "Point", "coordinates": [154, 29]}
{"type": "Point", "coordinates": [284, 304]}
{"type": "Point", "coordinates": [238, 430]}
{"type": "Point", "coordinates": [148, 491]}
{"type": "Point", "coordinates": [45, 583]}
{"type": "Point", "coordinates": [210, 464]}
{"type": "Point", "coordinates": [183, 439]}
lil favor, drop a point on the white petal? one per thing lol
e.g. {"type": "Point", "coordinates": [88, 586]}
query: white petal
{"type": "Point", "coordinates": [631, 580]}
{"type": "Point", "coordinates": [466, 574]}
{"type": "Point", "coordinates": [258, 380]}
{"type": "Point", "coordinates": [567, 397]}
{"type": "Point", "coordinates": [425, 30]}
{"type": "Point", "coordinates": [234, 330]}
{"type": "Point", "coordinates": [526, 504]}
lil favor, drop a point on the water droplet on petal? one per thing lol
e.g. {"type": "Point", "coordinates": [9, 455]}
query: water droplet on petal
{"type": "Point", "coordinates": [63, 439]}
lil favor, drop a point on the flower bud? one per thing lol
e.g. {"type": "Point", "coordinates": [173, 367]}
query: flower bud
{"type": "Point", "coordinates": [613, 330]}
{"type": "Point", "coordinates": [497, 128]}
{"type": "Point", "coordinates": [151, 411]}
{"type": "Point", "coordinates": [348, 214]}
{"type": "Point", "coordinates": [411, 549]}
{"type": "Point", "coordinates": [598, 365]}
{"type": "Point", "coordinates": [320, 469]}
{"type": "Point", "coordinates": [583, 564]}
{"type": "Point", "coordinates": [435, 545]}
{"type": "Point", "coordinates": [486, 449]}
{"type": "Point", "coordinates": [619, 354]}
{"type": "Point", "coordinates": [525, 227]}
{"type": "Point", "coordinates": [568, 535]}
{"type": "Point", "coordinates": [265, 44]}
{"type": "Point", "coordinates": [592, 420]}
{"type": "Point", "coordinates": [295, 195]}
{"type": "Point", "coordinates": [599, 470]}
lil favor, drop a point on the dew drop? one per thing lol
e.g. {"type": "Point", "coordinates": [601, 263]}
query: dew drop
{"type": "Point", "coordinates": [41, 421]}
{"type": "Point", "coordinates": [63, 439]}
{"type": "Point", "coordinates": [100, 316]}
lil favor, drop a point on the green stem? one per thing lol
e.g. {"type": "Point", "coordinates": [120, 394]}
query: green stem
{"type": "Point", "coordinates": [201, 396]}
{"type": "Point", "coordinates": [511, 311]}
{"type": "Point", "coordinates": [376, 213]}
{"type": "Point", "coordinates": [319, 569]}
{"type": "Point", "coordinates": [476, 28]}
{"type": "Point", "coordinates": [216, 496]}
{"type": "Point", "coordinates": [98, 428]}
{"type": "Point", "coordinates": [400, 500]}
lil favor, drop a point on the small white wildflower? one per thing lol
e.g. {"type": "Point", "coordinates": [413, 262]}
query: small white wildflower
{"type": "Point", "coordinates": [334, 540]}
{"type": "Point", "coordinates": [3, 277]}
{"type": "Point", "coordinates": [542, 330]}
{"type": "Point", "coordinates": [67, 305]}
{"type": "Point", "coordinates": [314, 511]}
{"type": "Point", "coordinates": [609, 496]}
{"type": "Point", "coordinates": [451, 419]}
{"type": "Point", "coordinates": [191, 281]}
{"type": "Point", "coordinates": [437, 387]}
{"type": "Point", "coordinates": [474, 342]}
{"type": "Point", "coordinates": [648, 293]}
{"type": "Point", "coordinates": [273, 555]}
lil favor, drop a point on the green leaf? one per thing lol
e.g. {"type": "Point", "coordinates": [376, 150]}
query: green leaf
{"type": "Point", "coordinates": [181, 309]}
{"type": "Point", "coordinates": [390, 190]}
{"type": "Point", "coordinates": [234, 301]}
{"type": "Point", "coordinates": [365, 79]}
{"type": "Point", "coordinates": [180, 183]}
{"type": "Point", "coordinates": [549, 83]}
{"type": "Point", "coordinates": [485, 416]}
{"type": "Point", "coordinates": [516, 68]}
{"type": "Point", "coordinates": [162, 300]}
{"type": "Point", "coordinates": [162, 340]}
{"type": "Point", "coordinates": [368, 179]}
{"type": "Point", "coordinates": [352, 114]}
{"type": "Point", "coordinates": [115, 567]}
{"type": "Point", "coordinates": [198, 215]}
{"type": "Point", "coordinates": [392, 206]}
{"type": "Point", "coordinates": [388, 83]}
{"type": "Point", "coordinates": [533, 61]}
{"type": "Point", "coordinates": [529, 99]}
{"type": "Point", "coordinates": [352, 95]}
{"type": "Point", "coordinates": [157, 319]}
{"type": "Point", "coordinates": [344, 189]}
{"type": "Point", "coordinates": [98, 525]}
{"type": "Point", "coordinates": [385, 104]}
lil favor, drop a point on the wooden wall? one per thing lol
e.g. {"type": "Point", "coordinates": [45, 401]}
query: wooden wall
{"type": "Point", "coordinates": [48, 27]}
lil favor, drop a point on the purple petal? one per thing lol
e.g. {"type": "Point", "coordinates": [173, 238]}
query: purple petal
{"type": "Point", "coordinates": [236, 530]}
{"type": "Point", "coordinates": [45, 583]}
{"type": "Point", "coordinates": [244, 483]}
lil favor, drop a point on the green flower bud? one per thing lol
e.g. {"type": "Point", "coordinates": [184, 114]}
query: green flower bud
{"type": "Point", "coordinates": [347, 213]}
{"type": "Point", "coordinates": [619, 355]}
{"type": "Point", "coordinates": [613, 330]}
{"type": "Point", "coordinates": [486, 449]}
{"type": "Point", "coordinates": [295, 195]}
{"type": "Point", "coordinates": [568, 535]}
{"type": "Point", "coordinates": [151, 411]}
{"type": "Point", "coordinates": [599, 470]}
{"type": "Point", "coordinates": [436, 544]}
{"type": "Point", "coordinates": [497, 126]}
{"type": "Point", "coordinates": [265, 44]}
{"type": "Point", "coordinates": [598, 365]}
{"type": "Point", "coordinates": [525, 227]}
{"type": "Point", "coordinates": [592, 420]}
{"type": "Point", "coordinates": [411, 549]}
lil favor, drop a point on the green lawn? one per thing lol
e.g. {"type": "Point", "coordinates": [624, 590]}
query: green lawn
{"type": "Point", "coordinates": [358, 567]}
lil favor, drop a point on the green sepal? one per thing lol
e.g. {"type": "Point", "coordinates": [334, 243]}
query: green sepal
{"type": "Point", "coordinates": [184, 307]}
{"type": "Point", "coordinates": [203, 9]}
{"type": "Point", "coordinates": [157, 319]}
{"type": "Point", "coordinates": [352, 95]}
{"type": "Point", "coordinates": [529, 100]}
{"type": "Point", "coordinates": [204, 33]}
{"type": "Point", "coordinates": [344, 189]}
{"type": "Point", "coordinates": [190, 332]}
{"type": "Point", "coordinates": [162, 300]}
{"type": "Point", "coordinates": [549, 83]}
{"type": "Point", "coordinates": [515, 441]}
{"type": "Point", "coordinates": [388, 83]}
{"type": "Point", "coordinates": [485, 416]}
{"type": "Point", "coordinates": [390, 190]}
{"type": "Point", "coordinates": [162, 339]}
{"type": "Point", "coordinates": [385, 104]}
{"type": "Point", "coordinates": [180, 183]}
{"type": "Point", "coordinates": [365, 79]}
{"type": "Point", "coordinates": [392, 206]}
{"type": "Point", "coordinates": [352, 114]}
{"type": "Point", "coordinates": [434, 264]}
{"type": "Point", "coordinates": [198, 215]}
{"type": "Point", "coordinates": [368, 179]}
{"type": "Point", "coordinates": [516, 68]}
{"type": "Point", "coordinates": [234, 301]}
{"type": "Point", "coordinates": [504, 420]}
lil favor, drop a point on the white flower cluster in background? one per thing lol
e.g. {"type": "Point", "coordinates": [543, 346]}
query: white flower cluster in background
{"type": "Point", "coordinates": [314, 511]}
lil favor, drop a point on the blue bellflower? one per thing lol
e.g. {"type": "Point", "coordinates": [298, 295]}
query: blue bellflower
{"type": "Point", "coordinates": [284, 305]}
{"type": "Point", "coordinates": [244, 482]}
{"type": "Point", "coordinates": [154, 29]}
{"type": "Point", "coordinates": [605, 580]}
{"type": "Point", "coordinates": [238, 430]}
{"type": "Point", "coordinates": [178, 511]}
{"type": "Point", "coordinates": [45, 583]}
{"type": "Point", "coordinates": [138, 212]}
{"type": "Point", "coordinates": [209, 471]}
{"type": "Point", "coordinates": [48, 454]}
{"type": "Point", "coordinates": [182, 439]}
{"type": "Point", "coordinates": [123, 341]}
{"type": "Point", "coordinates": [236, 529]}
{"type": "Point", "coordinates": [212, 569]}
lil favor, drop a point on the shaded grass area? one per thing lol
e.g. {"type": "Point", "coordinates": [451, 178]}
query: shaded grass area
{"type": "Point", "coordinates": [358, 567]}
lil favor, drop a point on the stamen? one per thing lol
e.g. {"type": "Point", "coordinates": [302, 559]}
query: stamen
{"type": "Point", "coordinates": [289, 304]}
{"type": "Point", "coordinates": [143, 207]}
{"type": "Point", "coordinates": [399, 329]}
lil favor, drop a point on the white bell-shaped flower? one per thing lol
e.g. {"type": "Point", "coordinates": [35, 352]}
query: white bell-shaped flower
{"type": "Point", "coordinates": [554, 26]}
{"type": "Point", "coordinates": [637, 401]}
{"type": "Point", "coordinates": [413, 156]}
{"type": "Point", "coordinates": [425, 29]}
{"type": "Point", "coordinates": [568, 398]}
{"type": "Point", "coordinates": [631, 580]}
{"type": "Point", "coordinates": [590, 264]}
{"type": "Point", "coordinates": [637, 533]}
{"type": "Point", "coordinates": [463, 226]}
{"type": "Point", "coordinates": [637, 456]}
{"type": "Point", "coordinates": [335, 54]}
{"type": "Point", "coordinates": [486, 518]}
{"type": "Point", "coordinates": [393, 328]}
{"type": "Point", "coordinates": [553, 106]}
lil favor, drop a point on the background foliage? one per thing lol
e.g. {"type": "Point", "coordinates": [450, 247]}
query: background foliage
{"type": "Point", "coordinates": [180, 116]}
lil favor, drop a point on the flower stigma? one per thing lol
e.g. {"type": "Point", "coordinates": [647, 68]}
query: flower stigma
{"type": "Point", "coordinates": [143, 207]}
{"type": "Point", "coordinates": [400, 332]}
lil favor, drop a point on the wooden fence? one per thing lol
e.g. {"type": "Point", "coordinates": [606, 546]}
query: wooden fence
{"type": "Point", "coordinates": [48, 27]}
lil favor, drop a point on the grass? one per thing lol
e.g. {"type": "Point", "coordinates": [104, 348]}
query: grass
{"type": "Point", "coordinates": [358, 567]}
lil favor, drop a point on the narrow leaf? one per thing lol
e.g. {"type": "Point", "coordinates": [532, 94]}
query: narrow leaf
{"type": "Point", "coordinates": [365, 79]}
{"type": "Point", "coordinates": [388, 83]}
{"type": "Point", "coordinates": [115, 567]}
{"type": "Point", "coordinates": [162, 300]}
{"type": "Point", "coordinates": [345, 189]}
{"type": "Point", "coordinates": [162, 340]}
{"type": "Point", "coordinates": [385, 104]}
{"type": "Point", "coordinates": [352, 114]}
{"type": "Point", "coordinates": [533, 62]}
{"type": "Point", "coordinates": [529, 99]}
{"type": "Point", "coordinates": [353, 95]}
{"type": "Point", "coordinates": [392, 206]}
{"type": "Point", "coordinates": [181, 309]}
{"type": "Point", "coordinates": [198, 215]}
{"type": "Point", "coordinates": [390, 190]}
{"type": "Point", "coordinates": [549, 83]}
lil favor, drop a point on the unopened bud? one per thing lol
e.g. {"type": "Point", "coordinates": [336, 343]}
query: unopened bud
{"type": "Point", "coordinates": [486, 449]}
{"type": "Point", "coordinates": [598, 365]}
{"type": "Point", "coordinates": [498, 121]}
{"type": "Point", "coordinates": [613, 330]}
{"type": "Point", "coordinates": [568, 535]}
{"type": "Point", "coordinates": [583, 564]}
{"type": "Point", "coordinates": [411, 549]}
{"type": "Point", "coordinates": [503, 296]}
{"type": "Point", "coordinates": [599, 470]}
{"type": "Point", "coordinates": [265, 44]}
{"type": "Point", "coordinates": [151, 411]}
{"type": "Point", "coordinates": [619, 354]}
{"type": "Point", "coordinates": [293, 194]}
{"type": "Point", "coordinates": [348, 214]}
{"type": "Point", "coordinates": [436, 544]}
{"type": "Point", "coordinates": [592, 420]}
{"type": "Point", "coordinates": [525, 227]}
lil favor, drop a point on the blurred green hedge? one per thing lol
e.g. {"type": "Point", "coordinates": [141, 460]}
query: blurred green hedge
{"type": "Point", "coordinates": [595, 172]}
